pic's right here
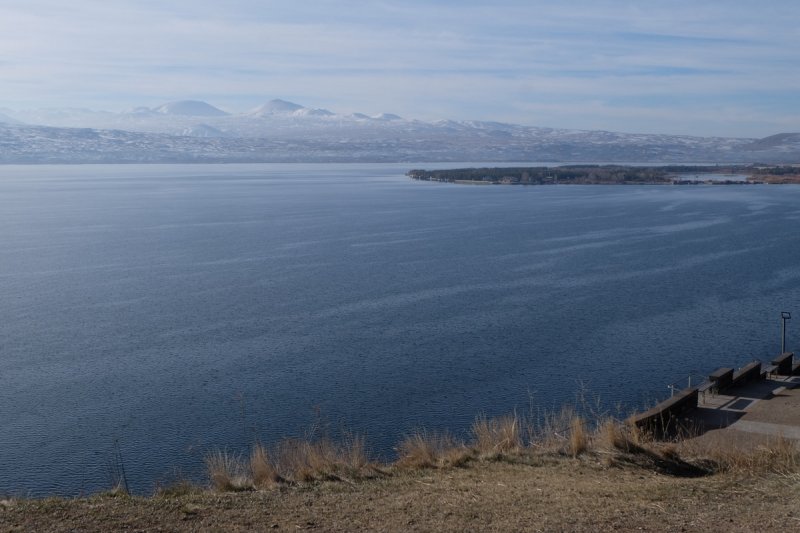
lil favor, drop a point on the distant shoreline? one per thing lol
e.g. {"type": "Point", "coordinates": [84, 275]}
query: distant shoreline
{"type": "Point", "coordinates": [613, 175]}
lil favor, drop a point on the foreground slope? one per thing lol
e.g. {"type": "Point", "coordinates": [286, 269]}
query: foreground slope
{"type": "Point", "coordinates": [615, 478]}
{"type": "Point", "coordinates": [588, 494]}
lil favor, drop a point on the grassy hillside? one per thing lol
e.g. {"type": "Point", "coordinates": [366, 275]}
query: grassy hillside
{"type": "Point", "coordinates": [508, 477]}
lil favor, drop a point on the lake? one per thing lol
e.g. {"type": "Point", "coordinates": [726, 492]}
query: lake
{"type": "Point", "coordinates": [156, 313]}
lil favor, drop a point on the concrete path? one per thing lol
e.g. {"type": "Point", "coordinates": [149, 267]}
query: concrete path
{"type": "Point", "coordinates": [765, 428]}
{"type": "Point", "coordinates": [746, 416]}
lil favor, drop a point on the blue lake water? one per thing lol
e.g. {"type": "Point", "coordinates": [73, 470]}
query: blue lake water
{"type": "Point", "coordinates": [175, 310]}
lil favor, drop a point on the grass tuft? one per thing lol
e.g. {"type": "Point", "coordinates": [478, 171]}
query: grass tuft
{"type": "Point", "coordinates": [262, 469]}
{"type": "Point", "coordinates": [227, 472]}
{"type": "Point", "coordinates": [552, 431]}
{"type": "Point", "coordinates": [613, 435]}
{"type": "Point", "coordinates": [493, 436]}
{"type": "Point", "coordinates": [424, 449]}
{"type": "Point", "coordinates": [302, 460]}
{"type": "Point", "coordinates": [610, 437]}
{"type": "Point", "coordinates": [578, 436]}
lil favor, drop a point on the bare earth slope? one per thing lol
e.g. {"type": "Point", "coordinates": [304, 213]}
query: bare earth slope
{"type": "Point", "coordinates": [586, 494]}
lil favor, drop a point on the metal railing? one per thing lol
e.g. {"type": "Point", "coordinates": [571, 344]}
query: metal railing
{"type": "Point", "coordinates": [691, 378]}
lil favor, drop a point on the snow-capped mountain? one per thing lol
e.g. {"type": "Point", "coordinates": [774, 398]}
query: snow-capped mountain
{"type": "Point", "coordinates": [285, 131]}
{"type": "Point", "coordinates": [286, 109]}
{"type": "Point", "coordinates": [386, 116]}
{"type": "Point", "coordinates": [274, 107]}
{"type": "Point", "coordinates": [190, 108]}
{"type": "Point", "coordinates": [275, 117]}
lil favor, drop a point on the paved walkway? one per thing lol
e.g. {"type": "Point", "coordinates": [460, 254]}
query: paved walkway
{"type": "Point", "coordinates": [765, 428]}
{"type": "Point", "coordinates": [746, 416]}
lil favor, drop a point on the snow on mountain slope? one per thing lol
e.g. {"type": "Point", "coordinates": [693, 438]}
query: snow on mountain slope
{"type": "Point", "coordinates": [285, 131]}
{"type": "Point", "coordinates": [306, 112]}
{"type": "Point", "coordinates": [192, 108]}
{"type": "Point", "coordinates": [202, 130]}
{"type": "Point", "coordinates": [274, 107]}
{"type": "Point", "coordinates": [781, 141]}
{"type": "Point", "coordinates": [283, 108]}
{"type": "Point", "coordinates": [387, 117]}
{"type": "Point", "coordinates": [40, 144]}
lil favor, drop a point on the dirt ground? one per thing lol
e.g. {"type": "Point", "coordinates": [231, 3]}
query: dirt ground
{"type": "Point", "coordinates": [592, 493]}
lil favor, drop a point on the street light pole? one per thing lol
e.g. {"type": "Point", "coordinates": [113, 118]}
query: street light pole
{"type": "Point", "coordinates": [785, 315]}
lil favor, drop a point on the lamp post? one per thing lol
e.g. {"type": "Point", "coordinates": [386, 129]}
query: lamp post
{"type": "Point", "coordinates": [785, 315]}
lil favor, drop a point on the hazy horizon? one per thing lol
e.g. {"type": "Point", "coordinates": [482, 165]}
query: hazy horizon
{"type": "Point", "coordinates": [718, 69]}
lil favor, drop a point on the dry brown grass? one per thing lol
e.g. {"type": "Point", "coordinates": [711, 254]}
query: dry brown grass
{"type": "Point", "coordinates": [552, 432]}
{"type": "Point", "coordinates": [609, 436]}
{"type": "Point", "coordinates": [649, 487]}
{"type": "Point", "coordinates": [578, 436]}
{"type": "Point", "coordinates": [227, 472]}
{"type": "Point", "coordinates": [424, 449]}
{"type": "Point", "coordinates": [458, 456]}
{"type": "Point", "coordinates": [614, 435]}
{"type": "Point", "coordinates": [779, 455]}
{"type": "Point", "coordinates": [354, 453]}
{"type": "Point", "coordinates": [262, 469]}
{"type": "Point", "coordinates": [637, 436]}
{"type": "Point", "coordinates": [494, 436]}
{"type": "Point", "coordinates": [303, 460]}
{"type": "Point", "coordinates": [557, 495]}
{"type": "Point", "coordinates": [291, 461]}
{"type": "Point", "coordinates": [560, 433]}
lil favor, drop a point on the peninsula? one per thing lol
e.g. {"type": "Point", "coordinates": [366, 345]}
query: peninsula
{"type": "Point", "coordinates": [615, 175]}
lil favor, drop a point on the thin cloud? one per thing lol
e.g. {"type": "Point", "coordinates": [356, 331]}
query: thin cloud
{"type": "Point", "coordinates": [523, 61]}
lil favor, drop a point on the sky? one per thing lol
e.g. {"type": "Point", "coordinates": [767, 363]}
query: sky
{"type": "Point", "coordinates": [711, 67]}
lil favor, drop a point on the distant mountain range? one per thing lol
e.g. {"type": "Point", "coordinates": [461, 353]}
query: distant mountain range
{"type": "Point", "coordinates": [282, 131]}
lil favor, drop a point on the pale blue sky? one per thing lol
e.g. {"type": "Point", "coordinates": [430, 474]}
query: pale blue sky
{"type": "Point", "coordinates": [713, 67]}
